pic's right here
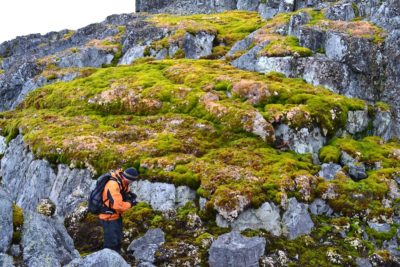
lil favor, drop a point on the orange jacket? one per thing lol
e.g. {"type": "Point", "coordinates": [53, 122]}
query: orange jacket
{"type": "Point", "coordinates": [112, 191]}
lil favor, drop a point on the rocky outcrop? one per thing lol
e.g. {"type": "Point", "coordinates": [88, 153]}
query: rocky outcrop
{"type": "Point", "coordinates": [145, 247]}
{"type": "Point", "coordinates": [184, 6]}
{"type": "Point", "coordinates": [235, 250]}
{"type": "Point", "coordinates": [162, 196]}
{"type": "Point", "coordinates": [6, 260]}
{"type": "Point", "coordinates": [102, 258]}
{"type": "Point", "coordinates": [6, 220]}
{"type": "Point", "coordinates": [29, 180]}
{"type": "Point", "coordinates": [296, 220]}
{"type": "Point", "coordinates": [266, 217]}
{"type": "Point", "coordinates": [46, 242]}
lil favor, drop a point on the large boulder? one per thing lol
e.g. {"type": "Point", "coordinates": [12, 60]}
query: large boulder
{"type": "Point", "coordinates": [266, 217]}
{"type": "Point", "coordinates": [46, 242]}
{"type": "Point", "coordinates": [145, 247]}
{"type": "Point", "coordinates": [102, 258]}
{"type": "Point", "coordinates": [234, 250]}
{"type": "Point", "coordinates": [296, 220]}
{"type": "Point", "coordinates": [6, 220]}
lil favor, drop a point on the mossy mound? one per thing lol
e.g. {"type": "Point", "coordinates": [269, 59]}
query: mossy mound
{"type": "Point", "coordinates": [183, 121]}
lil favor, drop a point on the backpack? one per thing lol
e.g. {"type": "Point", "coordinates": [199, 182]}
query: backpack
{"type": "Point", "coordinates": [96, 203]}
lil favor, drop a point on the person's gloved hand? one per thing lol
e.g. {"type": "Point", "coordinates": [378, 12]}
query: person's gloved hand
{"type": "Point", "coordinates": [132, 198]}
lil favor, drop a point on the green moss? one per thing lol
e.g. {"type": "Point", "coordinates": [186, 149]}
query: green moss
{"type": "Point", "coordinates": [285, 46]}
{"type": "Point", "coordinates": [379, 237]}
{"type": "Point", "coordinates": [18, 220]}
{"type": "Point", "coordinates": [329, 154]}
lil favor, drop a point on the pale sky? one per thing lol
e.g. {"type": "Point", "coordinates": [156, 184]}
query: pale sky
{"type": "Point", "coordinates": [22, 17]}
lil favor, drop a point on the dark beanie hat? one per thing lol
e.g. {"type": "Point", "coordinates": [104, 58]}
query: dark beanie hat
{"type": "Point", "coordinates": [131, 174]}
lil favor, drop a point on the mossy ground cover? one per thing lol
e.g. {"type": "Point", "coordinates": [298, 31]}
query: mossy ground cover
{"type": "Point", "coordinates": [228, 27]}
{"type": "Point", "coordinates": [158, 115]}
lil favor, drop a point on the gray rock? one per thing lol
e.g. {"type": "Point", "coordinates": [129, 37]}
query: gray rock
{"type": "Point", "coordinates": [392, 246]}
{"type": "Point", "coordinates": [184, 6]}
{"type": "Point", "coordinates": [6, 260]}
{"type": "Point", "coordinates": [160, 196]}
{"type": "Point", "coordinates": [183, 195]}
{"type": "Point", "coordinates": [329, 170]}
{"type": "Point", "coordinates": [296, 220]}
{"type": "Point", "coordinates": [342, 11]}
{"type": "Point", "coordinates": [234, 250]}
{"type": "Point", "coordinates": [242, 44]}
{"type": "Point", "coordinates": [25, 177]}
{"type": "Point", "coordinates": [279, 64]}
{"type": "Point", "coordinates": [46, 242]}
{"type": "Point", "coordinates": [320, 207]}
{"type": "Point", "coordinates": [102, 258]}
{"type": "Point", "coordinates": [267, 11]}
{"type": "Point", "coordinates": [132, 54]}
{"type": "Point", "coordinates": [287, 6]}
{"type": "Point", "coordinates": [250, 5]}
{"type": "Point", "coordinates": [70, 188]}
{"type": "Point", "coordinates": [357, 171]}
{"type": "Point", "coordinates": [145, 247]}
{"type": "Point", "coordinates": [16, 250]}
{"type": "Point", "coordinates": [301, 141]}
{"type": "Point", "coordinates": [357, 121]}
{"type": "Point", "coordinates": [380, 227]}
{"type": "Point", "coordinates": [296, 21]}
{"type": "Point", "coordinates": [202, 203]}
{"type": "Point", "coordinates": [346, 159]}
{"type": "Point", "coordinates": [266, 217]}
{"type": "Point", "coordinates": [85, 57]}
{"type": "Point", "coordinates": [363, 262]}
{"type": "Point", "coordinates": [199, 45]}
{"type": "Point", "coordinates": [249, 60]}
{"type": "Point", "coordinates": [383, 124]}
{"type": "Point", "coordinates": [3, 145]}
{"type": "Point", "coordinates": [6, 220]}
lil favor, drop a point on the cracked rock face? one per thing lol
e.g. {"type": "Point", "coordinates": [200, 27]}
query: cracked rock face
{"type": "Point", "coordinates": [46, 242]}
{"type": "Point", "coordinates": [24, 176]}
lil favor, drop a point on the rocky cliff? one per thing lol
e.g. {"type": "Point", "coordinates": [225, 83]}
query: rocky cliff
{"type": "Point", "coordinates": [265, 132]}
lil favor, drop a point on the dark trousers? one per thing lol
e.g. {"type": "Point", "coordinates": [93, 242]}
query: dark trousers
{"type": "Point", "coordinates": [112, 234]}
